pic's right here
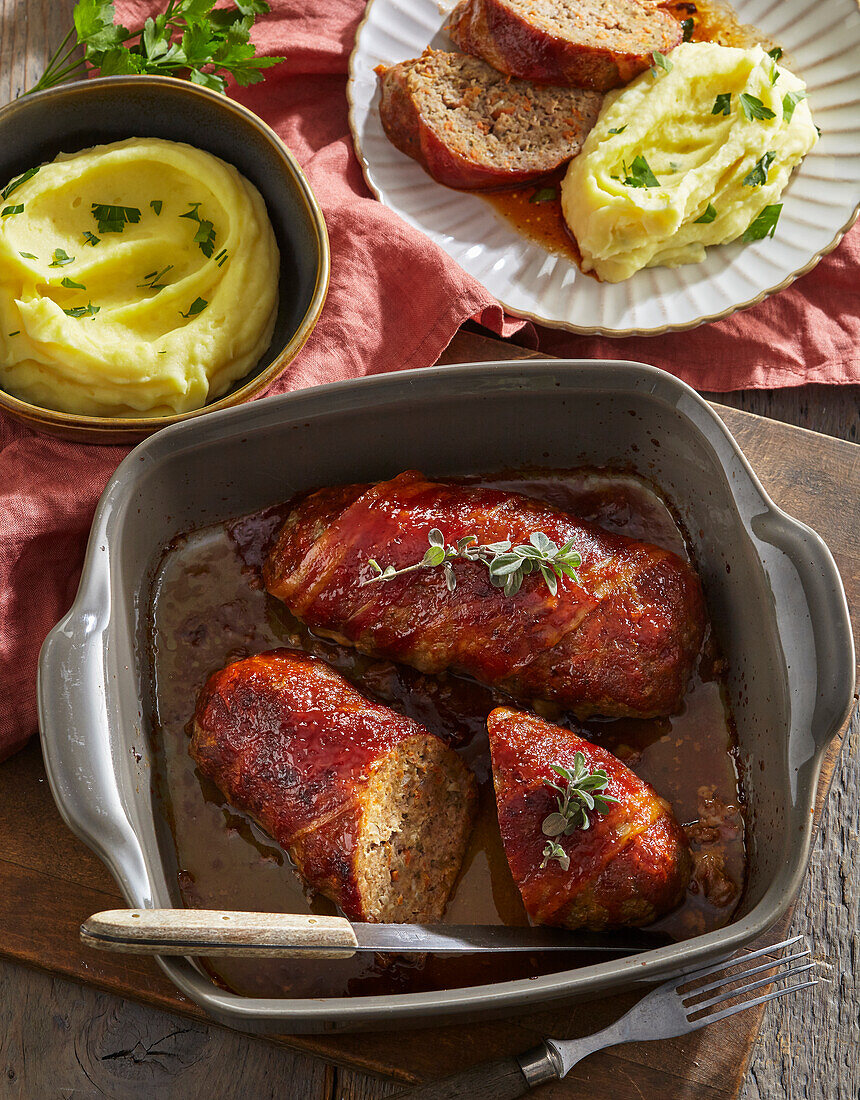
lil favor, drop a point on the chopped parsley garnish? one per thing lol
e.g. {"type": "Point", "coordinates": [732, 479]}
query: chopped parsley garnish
{"type": "Point", "coordinates": [774, 73]}
{"type": "Point", "coordinates": [775, 53]}
{"type": "Point", "coordinates": [193, 212]}
{"type": "Point", "coordinates": [708, 216]}
{"type": "Point", "coordinates": [662, 61]}
{"type": "Point", "coordinates": [722, 104]}
{"type": "Point", "coordinates": [197, 306]}
{"type": "Point", "coordinates": [543, 194]}
{"type": "Point", "coordinates": [91, 238]}
{"type": "Point", "coordinates": [17, 332]}
{"type": "Point", "coordinates": [13, 184]}
{"type": "Point", "coordinates": [205, 235]}
{"type": "Point", "coordinates": [156, 205]}
{"type": "Point", "coordinates": [70, 284]}
{"type": "Point", "coordinates": [687, 27]}
{"type": "Point", "coordinates": [789, 101]}
{"type": "Point", "coordinates": [153, 280]}
{"type": "Point", "coordinates": [764, 225]}
{"type": "Point", "coordinates": [28, 255]}
{"type": "Point", "coordinates": [88, 310]}
{"type": "Point", "coordinates": [758, 175]}
{"type": "Point", "coordinates": [753, 107]}
{"type": "Point", "coordinates": [639, 174]}
{"type": "Point", "coordinates": [60, 259]}
{"type": "Point", "coordinates": [8, 211]}
{"type": "Point", "coordinates": [618, 129]}
{"type": "Point", "coordinates": [113, 219]}
{"type": "Point", "coordinates": [222, 256]}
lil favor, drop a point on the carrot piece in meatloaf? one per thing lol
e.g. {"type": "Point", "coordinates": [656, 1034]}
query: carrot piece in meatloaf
{"type": "Point", "coordinates": [374, 810]}
{"type": "Point", "coordinates": [474, 128]}
{"type": "Point", "coordinates": [597, 44]}
{"type": "Point", "coordinates": [630, 863]}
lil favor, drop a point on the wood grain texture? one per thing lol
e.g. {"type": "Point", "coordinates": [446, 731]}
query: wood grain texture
{"type": "Point", "coordinates": [62, 1039]}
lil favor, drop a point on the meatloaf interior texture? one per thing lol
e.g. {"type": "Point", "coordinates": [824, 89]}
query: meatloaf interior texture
{"type": "Point", "coordinates": [631, 865]}
{"type": "Point", "coordinates": [473, 127]}
{"type": "Point", "coordinates": [373, 809]}
{"type": "Point", "coordinates": [598, 44]}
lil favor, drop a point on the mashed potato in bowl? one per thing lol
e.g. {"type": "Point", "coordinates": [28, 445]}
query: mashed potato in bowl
{"type": "Point", "coordinates": [687, 156]}
{"type": "Point", "coordinates": [138, 278]}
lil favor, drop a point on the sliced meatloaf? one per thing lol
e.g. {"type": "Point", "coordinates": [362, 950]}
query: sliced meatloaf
{"type": "Point", "coordinates": [585, 43]}
{"type": "Point", "coordinates": [374, 809]}
{"type": "Point", "coordinates": [473, 128]}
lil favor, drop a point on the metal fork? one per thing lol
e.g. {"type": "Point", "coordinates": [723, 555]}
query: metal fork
{"type": "Point", "coordinates": [671, 1009]}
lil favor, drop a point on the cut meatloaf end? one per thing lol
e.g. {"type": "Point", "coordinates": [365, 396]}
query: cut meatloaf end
{"type": "Point", "coordinates": [473, 128]}
{"type": "Point", "coordinates": [597, 44]}
{"type": "Point", "coordinates": [374, 810]}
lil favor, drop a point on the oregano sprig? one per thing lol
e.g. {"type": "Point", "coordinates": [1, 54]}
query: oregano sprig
{"type": "Point", "coordinates": [508, 565]}
{"type": "Point", "coordinates": [580, 792]}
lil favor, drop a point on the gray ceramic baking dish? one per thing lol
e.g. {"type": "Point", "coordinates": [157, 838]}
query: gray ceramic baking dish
{"type": "Point", "coordinates": [775, 596]}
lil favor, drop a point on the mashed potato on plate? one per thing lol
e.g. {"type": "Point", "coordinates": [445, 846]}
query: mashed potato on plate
{"type": "Point", "coordinates": [684, 157]}
{"type": "Point", "coordinates": [137, 278]}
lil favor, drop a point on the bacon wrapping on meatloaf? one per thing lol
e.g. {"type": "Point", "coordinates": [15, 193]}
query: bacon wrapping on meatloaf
{"type": "Point", "coordinates": [620, 640]}
{"type": "Point", "coordinates": [630, 866]}
{"type": "Point", "coordinates": [374, 810]}
{"type": "Point", "coordinates": [598, 44]}
{"type": "Point", "coordinates": [474, 128]}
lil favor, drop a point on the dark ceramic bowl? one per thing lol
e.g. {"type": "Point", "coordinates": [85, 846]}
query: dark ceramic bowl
{"type": "Point", "coordinates": [35, 129]}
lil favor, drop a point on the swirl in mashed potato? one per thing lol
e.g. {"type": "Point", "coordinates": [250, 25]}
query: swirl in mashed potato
{"type": "Point", "coordinates": [719, 133]}
{"type": "Point", "coordinates": [138, 278]}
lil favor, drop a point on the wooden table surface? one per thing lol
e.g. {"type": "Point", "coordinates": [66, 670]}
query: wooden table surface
{"type": "Point", "coordinates": [59, 1039]}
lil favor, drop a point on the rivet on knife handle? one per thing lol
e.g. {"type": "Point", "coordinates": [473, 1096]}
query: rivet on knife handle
{"type": "Point", "coordinates": [216, 932]}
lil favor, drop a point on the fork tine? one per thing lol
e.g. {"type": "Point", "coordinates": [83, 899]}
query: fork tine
{"type": "Point", "coordinates": [694, 975]}
{"type": "Point", "coordinates": [726, 978]}
{"type": "Point", "coordinates": [751, 1004]}
{"type": "Point", "coordinates": [749, 987]}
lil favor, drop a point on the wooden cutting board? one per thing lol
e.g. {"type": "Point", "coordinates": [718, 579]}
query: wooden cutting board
{"type": "Point", "coordinates": [50, 882]}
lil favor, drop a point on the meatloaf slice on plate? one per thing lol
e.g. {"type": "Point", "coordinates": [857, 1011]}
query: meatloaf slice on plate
{"type": "Point", "coordinates": [585, 43]}
{"type": "Point", "coordinates": [474, 128]}
{"type": "Point", "coordinates": [374, 810]}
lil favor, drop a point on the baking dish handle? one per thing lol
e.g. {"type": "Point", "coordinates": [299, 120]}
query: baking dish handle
{"type": "Point", "coordinates": [75, 735]}
{"type": "Point", "coordinates": [821, 599]}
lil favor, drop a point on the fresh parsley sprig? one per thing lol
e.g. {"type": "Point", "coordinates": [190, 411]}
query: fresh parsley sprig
{"type": "Point", "coordinates": [113, 219]}
{"type": "Point", "coordinates": [580, 792]}
{"type": "Point", "coordinates": [757, 176]}
{"type": "Point", "coordinates": [188, 39]}
{"type": "Point", "coordinates": [753, 107]}
{"type": "Point", "coordinates": [508, 565]}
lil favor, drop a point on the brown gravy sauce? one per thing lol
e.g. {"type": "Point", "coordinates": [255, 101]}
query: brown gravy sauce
{"type": "Point", "coordinates": [209, 608]}
{"type": "Point", "coordinates": [530, 210]}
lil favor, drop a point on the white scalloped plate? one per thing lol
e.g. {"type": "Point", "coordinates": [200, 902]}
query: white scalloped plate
{"type": "Point", "coordinates": [820, 203]}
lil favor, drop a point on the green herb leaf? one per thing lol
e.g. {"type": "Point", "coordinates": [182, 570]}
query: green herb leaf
{"type": "Point", "coordinates": [197, 306]}
{"type": "Point", "coordinates": [152, 281]}
{"type": "Point", "coordinates": [222, 257]}
{"type": "Point", "coordinates": [70, 284]}
{"type": "Point", "coordinates": [773, 75]}
{"type": "Point", "coordinates": [193, 212]}
{"type": "Point", "coordinates": [618, 129]}
{"type": "Point", "coordinates": [708, 216]}
{"type": "Point", "coordinates": [789, 101]}
{"type": "Point", "coordinates": [758, 175]}
{"type": "Point", "coordinates": [722, 104]}
{"type": "Point", "coordinates": [818, 131]}
{"type": "Point", "coordinates": [205, 237]}
{"type": "Point", "coordinates": [753, 107]}
{"type": "Point", "coordinates": [60, 259]}
{"type": "Point", "coordinates": [764, 225]}
{"type": "Point", "coordinates": [662, 61]}
{"type": "Point", "coordinates": [8, 211]}
{"type": "Point", "coordinates": [156, 205]}
{"type": "Point", "coordinates": [91, 238]}
{"type": "Point", "coordinates": [28, 256]}
{"type": "Point", "coordinates": [775, 53]}
{"type": "Point", "coordinates": [15, 183]}
{"type": "Point", "coordinates": [553, 850]}
{"type": "Point", "coordinates": [113, 219]}
{"type": "Point", "coordinates": [544, 194]}
{"type": "Point", "coordinates": [88, 310]}
{"type": "Point", "coordinates": [687, 26]}
{"type": "Point", "coordinates": [580, 792]}
{"type": "Point", "coordinates": [639, 174]}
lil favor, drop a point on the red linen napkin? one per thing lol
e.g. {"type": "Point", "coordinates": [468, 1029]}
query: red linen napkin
{"type": "Point", "coordinates": [395, 301]}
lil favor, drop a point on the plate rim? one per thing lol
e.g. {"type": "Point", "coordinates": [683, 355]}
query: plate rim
{"type": "Point", "coordinates": [536, 318]}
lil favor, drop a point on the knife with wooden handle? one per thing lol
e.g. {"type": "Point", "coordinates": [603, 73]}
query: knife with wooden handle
{"type": "Point", "coordinates": [215, 932]}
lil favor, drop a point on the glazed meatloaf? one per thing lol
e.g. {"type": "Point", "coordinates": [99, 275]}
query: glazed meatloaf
{"type": "Point", "coordinates": [374, 810]}
{"type": "Point", "coordinates": [473, 128]}
{"type": "Point", "coordinates": [597, 44]}
{"type": "Point", "coordinates": [619, 638]}
{"type": "Point", "coordinates": [630, 865]}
